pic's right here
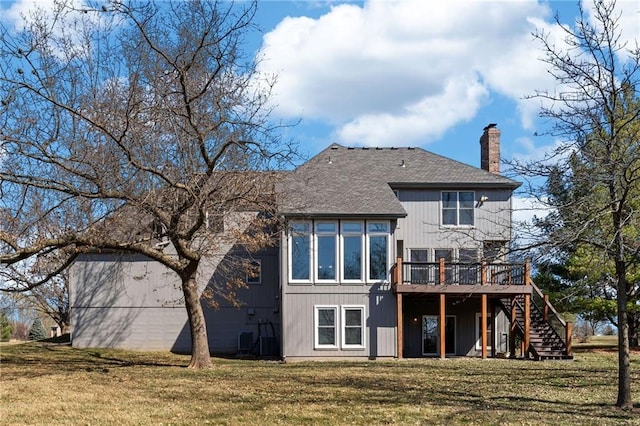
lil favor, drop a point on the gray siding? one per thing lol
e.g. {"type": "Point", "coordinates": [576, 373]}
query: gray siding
{"type": "Point", "coordinates": [130, 302]}
{"type": "Point", "coordinates": [422, 226]}
{"type": "Point", "coordinates": [380, 321]}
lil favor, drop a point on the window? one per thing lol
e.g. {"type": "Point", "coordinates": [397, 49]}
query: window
{"type": "Point", "coordinates": [254, 274]}
{"type": "Point", "coordinates": [352, 327]}
{"type": "Point", "coordinates": [378, 238]}
{"type": "Point", "coordinates": [352, 249]}
{"type": "Point", "coordinates": [326, 319]}
{"type": "Point", "coordinates": [479, 331]}
{"type": "Point", "coordinates": [327, 244]}
{"type": "Point", "coordinates": [494, 250]}
{"type": "Point", "coordinates": [447, 255]}
{"type": "Point", "coordinates": [468, 271]}
{"type": "Point", "coordinates": [458, 208]}
{"type": "Point", "coordinates": [300, 251]}
{"type": "Point", "coordinates": [419, 273]}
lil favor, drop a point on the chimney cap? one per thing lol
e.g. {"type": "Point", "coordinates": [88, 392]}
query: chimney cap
{"type": "Point", "coordinates": [490, 126]}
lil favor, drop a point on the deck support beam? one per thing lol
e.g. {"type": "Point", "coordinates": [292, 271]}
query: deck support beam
{"type": "Point", "coordinates": [513, 327]}
{"type": "Point", "coordinates": [527, 311]}
{"type": "Point", "coordinates": [399, 325]}
{"type": "Point", "coordinates": [483, 326]}
{"type": "Point", "coordinates": [442, 326]}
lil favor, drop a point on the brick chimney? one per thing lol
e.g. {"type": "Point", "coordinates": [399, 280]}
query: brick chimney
{"type": "Point", "coordinates": [490, 149]}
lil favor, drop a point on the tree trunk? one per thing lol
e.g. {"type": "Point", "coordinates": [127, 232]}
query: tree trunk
{"type": "Point", "coordinates": [200, 357]}
{"type": "Point", "coordinates": [633, 329]}
{"type": "Point", "coordinates": [624, 369]}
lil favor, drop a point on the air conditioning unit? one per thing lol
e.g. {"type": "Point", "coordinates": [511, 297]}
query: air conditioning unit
{"type": "Point", "coordinates": [245, 342]}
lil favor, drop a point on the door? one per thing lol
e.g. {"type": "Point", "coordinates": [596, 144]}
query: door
{"type": "Point", "coordinates": [430, 340]}
{"type": "Point", "coordinates": [429, 335]}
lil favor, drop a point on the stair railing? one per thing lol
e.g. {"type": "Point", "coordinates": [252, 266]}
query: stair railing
{"type": "Point", "coordinates": [562, 328]}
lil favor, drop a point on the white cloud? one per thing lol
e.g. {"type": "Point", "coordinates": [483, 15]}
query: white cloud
{"type": "Point", "coordinates": [418, 67]}
{"type": "Point", "coordinates": [628, 14]}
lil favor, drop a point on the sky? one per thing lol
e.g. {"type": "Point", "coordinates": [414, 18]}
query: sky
{"type": "Point", "coordinates": [430, 74]}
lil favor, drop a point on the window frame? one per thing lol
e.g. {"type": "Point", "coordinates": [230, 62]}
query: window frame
{"type": "Point", "coordinates": [370, 234]}
{"type": "Point", "coordinates": [490, 326]}
{"type": "Point", "coordinates": [363, 251]}
{"type": "Point", "coordinates": [251, 280]}
{"type": "Point", "coordinates": [316, 326]}
{"type": "Point", "coordinates": [309, 236]}
{"type": "Point", "coordinates": [343, 326]}
{"type": "Point", "coordinates": [336, 251]}
{"type": "Point", "coordinates": [458, 208]}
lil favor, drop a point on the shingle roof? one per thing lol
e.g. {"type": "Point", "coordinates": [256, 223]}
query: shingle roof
{"type": "Point", "coordinates": [360, 181]}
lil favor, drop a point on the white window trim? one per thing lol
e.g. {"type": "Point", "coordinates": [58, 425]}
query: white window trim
{"type": "Point", "coordinates": [368, 250]}
{"type": "Point", "coordinates": [343, 326]}
{"type": "Point", "coordinates": [316, 324]}
{"type": "Point", "coordinates": [457, 225]}
{"type": "Point", "coordinates": [290, 253]}
{"type": "Point", "coordinates": [363, 251]}
{"type": "Point", "coordinates": [479, 339]}
{"type": "Point", "coordinates": [259, 276]}
{"type": "Point", "coordinates": [316, 256]}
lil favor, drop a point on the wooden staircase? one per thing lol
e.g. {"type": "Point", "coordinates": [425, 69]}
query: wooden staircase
{"type": "Point", "coordinates": [545, 343]}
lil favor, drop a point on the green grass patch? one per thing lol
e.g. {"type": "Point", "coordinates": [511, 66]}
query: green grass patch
{"type": "Point", "coordinates": [45, 383]}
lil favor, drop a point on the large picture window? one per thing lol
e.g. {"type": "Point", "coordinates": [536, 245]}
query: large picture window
{"type": "Point", "coordinates": [328, 252]}
{"type": "Point", "coordinates": [352, 249]}
{"type": "Point", "coordinates": [326, 320]}
{"type": "Point", "coordinates": [378, 237]}
{"type": "Point", "coordinates": [300, 251]}
{"type": "Point", "coordinates": [327, 243]}
{"type": "Point", "coordinates": [458, 208]}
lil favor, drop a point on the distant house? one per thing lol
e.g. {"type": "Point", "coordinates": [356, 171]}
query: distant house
{"type": "Point", "coordinates": [388, 252]}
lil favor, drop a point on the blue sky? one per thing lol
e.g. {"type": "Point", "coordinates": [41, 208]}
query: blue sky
{"type": "Point", "coordinates": [429, 74]}
{"type": "Point", "coordinates": [408, 73]}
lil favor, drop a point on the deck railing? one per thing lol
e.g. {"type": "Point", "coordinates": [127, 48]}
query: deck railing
{"type": "Point", "coordinates": [445, 273]}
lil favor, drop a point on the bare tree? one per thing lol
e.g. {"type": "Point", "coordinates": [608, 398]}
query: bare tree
{"type": "Point", "coordinates": [592, 180]}
{"type": "Point", "coordinates": [125, 124]}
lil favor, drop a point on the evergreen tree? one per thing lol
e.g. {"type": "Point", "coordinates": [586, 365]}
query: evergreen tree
{"type": "Point", "coordinates": [37, 331]}
{"type": "Point", "coordinates": [5, 328]}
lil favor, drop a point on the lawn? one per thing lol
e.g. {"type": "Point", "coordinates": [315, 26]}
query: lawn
{"type": "Point", "coordinates": [44, 383]}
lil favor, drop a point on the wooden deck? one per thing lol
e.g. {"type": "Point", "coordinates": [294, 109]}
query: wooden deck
{"type": "Point", "coordinates": [511, 282]}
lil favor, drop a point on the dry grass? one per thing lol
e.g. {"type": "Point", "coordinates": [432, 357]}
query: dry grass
{"type": "Point", "coordinates": [44, 383]}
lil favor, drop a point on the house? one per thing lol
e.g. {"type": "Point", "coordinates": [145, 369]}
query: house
{"type": "Point", "coordinates": [387, 253]}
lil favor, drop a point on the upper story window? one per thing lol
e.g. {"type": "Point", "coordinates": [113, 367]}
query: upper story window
{"type": "Point", "coordinates": [378, 244]}
{"type": "Point", "coordinates": [300, 251]}
{"type": "Point", "coordinates": [254, 274]}
{"type": "Point", "coordinates": [352, 250]}
{"type": "Point", "coordinates": [349, 251]}
{"type": "Point", "coordinates": [327, 248]}
{"type": "Point", "coordinates": [458, 208]}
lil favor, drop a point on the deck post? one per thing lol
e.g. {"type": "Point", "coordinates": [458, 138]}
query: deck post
{"type": "Point", "coordinates": [545, 310]}
{"type": "Point", "coordinates": [483, 273]}
{"type": "Point", "coordinates": [527, 310]}
{"type": "Point", "coordinates": [399, 276]}
{"type": "Point", "coordinates": [527, 324]}
{"type": "Point", "coordinates": [568, 337]}
{"type": "Point", "coordinates": [493, 330]}
{"type": "Point", "coordinates": [483, 326]}
{"type": "Point", "coordinates": [399, 325]}
{"type": "Point", "coordinates": [442, 271]}
{"type": "Point", "coordinates": [442, 326]}
{"type": "Point", "coordinates": [512, 331]}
